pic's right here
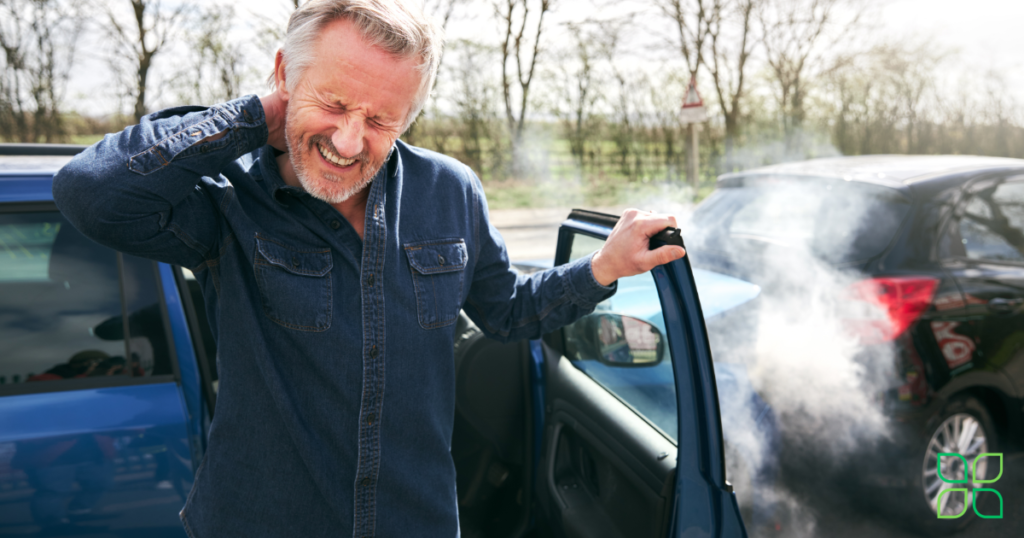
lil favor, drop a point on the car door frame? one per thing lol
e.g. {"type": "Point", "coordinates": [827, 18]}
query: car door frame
{"type": "Point", "coordinates": [702, 501]}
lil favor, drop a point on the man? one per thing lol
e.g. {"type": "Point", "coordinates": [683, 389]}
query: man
{"type": "Point", "coordinates": [334, 260]}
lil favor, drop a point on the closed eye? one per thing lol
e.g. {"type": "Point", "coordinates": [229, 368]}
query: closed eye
{"type": "Point", "coordinates": [383, 124]}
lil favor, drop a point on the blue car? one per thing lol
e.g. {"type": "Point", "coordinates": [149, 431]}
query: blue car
{"type": "Point", "coordinates": [108, 385]}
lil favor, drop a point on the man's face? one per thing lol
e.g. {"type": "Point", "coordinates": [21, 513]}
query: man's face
{"type": "Point", "coordinates": [346, 111]}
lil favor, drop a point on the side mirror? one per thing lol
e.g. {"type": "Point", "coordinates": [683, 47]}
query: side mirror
{"type": "Point", "coordinates": [617, 340]}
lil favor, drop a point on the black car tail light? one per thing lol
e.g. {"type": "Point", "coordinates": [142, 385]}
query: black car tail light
{"type": "Point", "coordinates": [895, 302]}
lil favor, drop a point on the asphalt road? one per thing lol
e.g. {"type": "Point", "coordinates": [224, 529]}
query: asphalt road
{"type": "Point", "coordinates": [833, 513]}
{"type": "Point", "coordinates": [530, 234]}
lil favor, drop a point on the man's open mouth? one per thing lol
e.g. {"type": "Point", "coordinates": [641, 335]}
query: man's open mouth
{"type": "Point", "coordinates": [333, 158]}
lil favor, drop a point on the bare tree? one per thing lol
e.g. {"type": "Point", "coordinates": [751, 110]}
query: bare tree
{"type": "Point", "coordinates": [665, 95]}
{"type": "Point", "coordinates": [732, 43]}
{"type": "Point", "coordinates": [138, 39]}
{"type": "Point", "coordinates": [691, 23]}
{"type": "Point", "coordinates": [473, 93]}
{"type": "Point", "coordinates": [522, 29]}
{"type": "Point", "coordinates": [442, 10]}
{"type": "Point", "coordinates": [911, 71]}
{"type": "Point", "coordinates": [216, 67]}
{"type": "Point", "coordinates": [626, 99]}
{"type": "Point", "coordinates": [798, 38]}
{"type": "Point", "coordinates": [884, 99]}
{"type": "Point", "coordinates": [577, 86]}
{"type": "Point", "coordinates": [38, 40]}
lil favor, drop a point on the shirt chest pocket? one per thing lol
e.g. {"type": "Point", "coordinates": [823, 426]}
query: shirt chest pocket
{"type": "Point", "coordinates": [295, 285]}
{"type": "Point", "coordinates": [438, 269]}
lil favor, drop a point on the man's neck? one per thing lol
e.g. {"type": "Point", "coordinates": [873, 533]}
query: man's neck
{"type": "Point", "coordinates": [353, 209]}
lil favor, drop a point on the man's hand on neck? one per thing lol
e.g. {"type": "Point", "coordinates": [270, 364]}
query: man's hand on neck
{"type": "Point", "coordinates": [274, 108]}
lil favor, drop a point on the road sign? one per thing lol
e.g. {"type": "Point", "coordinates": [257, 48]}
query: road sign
{"type": "Point", "coordinates": [693, 106]}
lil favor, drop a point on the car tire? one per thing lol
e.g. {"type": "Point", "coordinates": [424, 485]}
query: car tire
{"type": "Point", "coordinates": [945, 434]}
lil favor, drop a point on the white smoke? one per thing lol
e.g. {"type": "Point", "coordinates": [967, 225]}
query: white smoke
{"type": "Point", "coordinates": [801, 355]}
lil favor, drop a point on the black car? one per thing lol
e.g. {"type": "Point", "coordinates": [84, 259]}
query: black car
{"type": "Point", "coordinates": [902, 279]}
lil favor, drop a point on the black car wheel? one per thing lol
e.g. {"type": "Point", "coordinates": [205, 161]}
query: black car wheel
{"type": "Point", "coordinates": [963, 427]}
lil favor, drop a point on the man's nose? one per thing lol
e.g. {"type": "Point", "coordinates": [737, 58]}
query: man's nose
{"type": "Point", "coordinates": [348, 137]}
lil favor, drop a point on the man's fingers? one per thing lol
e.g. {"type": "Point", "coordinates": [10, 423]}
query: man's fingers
{"type": "Point", "coordinates": [652, 224]}
{"type": "Point", "coordinates": [660, 256]}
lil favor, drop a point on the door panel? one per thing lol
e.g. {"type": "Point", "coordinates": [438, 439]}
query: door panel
{"type": "Point", "coordinates": [100, 462]}
{"type": "Point", "coordinates": [606, 470]}
{"type": "Point", "coordinates": [610, 464]}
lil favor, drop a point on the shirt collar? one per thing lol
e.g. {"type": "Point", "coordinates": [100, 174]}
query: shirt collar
{"type": "Point", "coordinates": [280, 191]}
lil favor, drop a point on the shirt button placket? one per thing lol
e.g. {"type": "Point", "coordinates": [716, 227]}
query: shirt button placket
{"type": "Point", "coordinates": [373, 381]}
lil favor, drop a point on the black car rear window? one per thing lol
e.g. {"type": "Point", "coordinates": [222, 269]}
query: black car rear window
{"type": "Point", "coordinates": [838, 221]}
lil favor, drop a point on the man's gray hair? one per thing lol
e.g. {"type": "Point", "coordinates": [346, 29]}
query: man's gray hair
{"type": "Point", "coordinates": [396, 26]}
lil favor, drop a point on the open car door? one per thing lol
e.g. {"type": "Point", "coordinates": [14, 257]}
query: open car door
{"type": "Point", "coordinates": [632, 437]}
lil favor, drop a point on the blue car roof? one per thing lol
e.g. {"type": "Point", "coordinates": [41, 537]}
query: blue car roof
{"type": "Point", "coordinates": [26, 188]}
{"type": "Point", "coordinates": [29, 178]}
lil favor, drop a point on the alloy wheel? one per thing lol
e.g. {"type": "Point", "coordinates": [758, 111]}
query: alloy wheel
{"type": "Point", "coordinates": [962, 434]}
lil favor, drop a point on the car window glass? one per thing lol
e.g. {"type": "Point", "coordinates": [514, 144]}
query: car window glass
{"type": "Point", "coordinates": [640, 373]}
{"type": "Point", "coordinates": [839, 221]}
{"type": "Point", "coordinates": [992, 224]}
{"type": "Point", "coordinates": [56, 288]}
{"type": "Point", "coordinates": [149, 344]}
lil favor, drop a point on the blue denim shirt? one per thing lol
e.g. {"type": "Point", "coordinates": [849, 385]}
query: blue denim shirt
{"type": "Point", "coordinates": [336, 395]}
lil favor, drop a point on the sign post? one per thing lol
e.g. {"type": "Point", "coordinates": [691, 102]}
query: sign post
{"type": "Point", "coordinates": [693, 114]}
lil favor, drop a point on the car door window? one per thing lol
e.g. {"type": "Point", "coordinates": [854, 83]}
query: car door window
{"type": "Point", "coordinates": [61, 307]}
{"type": "Point", "coordinates": [640, 373]}
{"type": "Point", "coordinates": [148, 343]}
{"type": "Point", "coordinates": [992, 224]}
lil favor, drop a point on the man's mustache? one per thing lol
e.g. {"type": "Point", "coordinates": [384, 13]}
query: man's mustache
{"type": "Point", "coordinates": [318, 139]}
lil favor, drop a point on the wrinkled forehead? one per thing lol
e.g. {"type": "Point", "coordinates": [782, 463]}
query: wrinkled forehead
{"type": "Point", "coordinates": [350, 71]}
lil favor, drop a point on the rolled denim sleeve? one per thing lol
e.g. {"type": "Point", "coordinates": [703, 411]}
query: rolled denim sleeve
{"type": "Point", "coordinates": [508, 305]}
{"type": "Point", "coordinates": [154, 189]}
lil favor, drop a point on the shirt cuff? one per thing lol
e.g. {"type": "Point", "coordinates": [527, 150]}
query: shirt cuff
{"type": "Point", "coordinates": [582, 288]}
{"type": "Point", "coordinates": [180, 132]}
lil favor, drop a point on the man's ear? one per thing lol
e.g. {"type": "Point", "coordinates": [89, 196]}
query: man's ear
{"type": "Point", "coordinates": [279, 75]}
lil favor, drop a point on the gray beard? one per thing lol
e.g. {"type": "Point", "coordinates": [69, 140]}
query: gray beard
{"type": "Point", "coordinates": [321, 190]}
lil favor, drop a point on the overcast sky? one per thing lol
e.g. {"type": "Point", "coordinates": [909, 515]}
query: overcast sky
{"type": "Point", "coordinates": [987, 32]}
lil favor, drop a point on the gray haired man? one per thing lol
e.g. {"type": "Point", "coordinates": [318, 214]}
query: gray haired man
{"type": "Point", "coordinates": [334, 260]}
